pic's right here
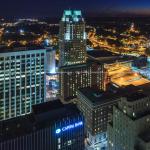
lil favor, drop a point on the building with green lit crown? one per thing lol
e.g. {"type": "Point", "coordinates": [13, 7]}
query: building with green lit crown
{"type": "Point", "coordinates": [72, 38]}
{"type": "Point", "coordinates": [75, 70]}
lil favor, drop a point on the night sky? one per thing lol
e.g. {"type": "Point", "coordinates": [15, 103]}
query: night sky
{"type": "Point", "coordinates": [54, 8]}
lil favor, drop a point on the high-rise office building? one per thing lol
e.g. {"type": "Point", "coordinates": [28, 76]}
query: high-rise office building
{"type": "Point", "coordinates": [75, 70]}
{"type": "Point", "coordinates": [75, 77]}
{"type": "Point", "coordinates": [22, 81]}
{"type": "Point", "coordinates": [97, 107]}
{"type": "Point", "coordinates": [51, 126]}
{"type": "Point", "coordinates": [130, 125]}
{"type": "Point", "coordinates": [72, 38]}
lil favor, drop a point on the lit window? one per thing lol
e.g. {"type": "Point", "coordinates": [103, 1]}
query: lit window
{"type": "Point", "coordinates": [59, 140]}
{"type": "Point", "coordinates": [59, 147]}
{"type": "Point", "coordinates": [69, 142]}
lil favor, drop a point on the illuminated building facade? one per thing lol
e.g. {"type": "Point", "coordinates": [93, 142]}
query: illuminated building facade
{"type": "Point", "coordinates": [75, 70]}
{"type": "Point", "coordinates": [97, 107]}
{"type": "Point", "coordinates": [129, 128]}
{"type": "Point", "coordinates": [72, 38]}
{"type": "Point", "coordinates": [75, 77]}
{"type": "Point", "coordinates": [51, 62]}
{"type": "Point", "coordinates": [22, 81]}
{"type": "Point", "coordinates": [51, 126]}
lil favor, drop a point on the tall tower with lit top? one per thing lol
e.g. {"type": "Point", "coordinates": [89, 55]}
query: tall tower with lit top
{"type": "Point", "coordinates": [75, 70]}
{"type": "Point", "coordinates": [72, 38]}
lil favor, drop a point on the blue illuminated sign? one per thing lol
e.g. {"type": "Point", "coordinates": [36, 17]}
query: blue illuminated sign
{"type": "Point", "coordinates": [71, 126]}
{"type": "Point", "coordinates": [58, 131]}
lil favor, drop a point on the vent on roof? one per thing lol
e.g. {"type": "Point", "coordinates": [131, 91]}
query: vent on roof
{"type": "Point", "coordinates": [97, 95]}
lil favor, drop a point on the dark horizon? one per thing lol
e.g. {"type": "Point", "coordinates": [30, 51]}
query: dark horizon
{"type": "Point", "coordinates": [94, 8]}
{"type": "Point", "coordinates": [86, 16]}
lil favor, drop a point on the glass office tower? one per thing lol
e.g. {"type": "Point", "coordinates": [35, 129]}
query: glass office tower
{"type": "Point", "coordinates": [75, 70]}
{"type": "Point", "coordinates": [22, 81]}
{"type": "Point", "coordinates": [72, 38]}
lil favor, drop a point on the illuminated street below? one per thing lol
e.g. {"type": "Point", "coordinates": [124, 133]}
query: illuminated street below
{"type": "Point", "coordinates": [123, 76]}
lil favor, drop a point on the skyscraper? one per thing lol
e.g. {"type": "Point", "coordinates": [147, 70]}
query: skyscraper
{"type": "Point", "coordinates": [75, 70]}
{"type": "Point", "coordinates": [72, 38]}
{"type": "Point", "coordinates": [22, 81]}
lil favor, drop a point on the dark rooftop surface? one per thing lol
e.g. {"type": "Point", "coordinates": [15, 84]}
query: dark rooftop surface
{"type": "Point", "coordinates": [16, 49]}
{"type": "Point", "coordinates": [101, 53]}
{"type": "Point", "coordinates": [96, 96]}
{"type": "Point", "coordinates": [145, 88]}
{"type": "Point", "coordinates": [48, 106]}
{"type": "Point", "coordinates": [135, 96]}
{"type": "Point", "coordinates": [107, 57]}
{"type": "Point", "coordinates": [145, 136]}
{"type": "Point", "coordinates": [132, 93]}
{"type": "Point", "coordinates": [43, 116]}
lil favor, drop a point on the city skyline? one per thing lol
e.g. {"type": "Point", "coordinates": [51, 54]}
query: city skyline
{"type": "Point", "coordinates": [80, 84]}
{"type": "Point", "coordinates": [93, 8]}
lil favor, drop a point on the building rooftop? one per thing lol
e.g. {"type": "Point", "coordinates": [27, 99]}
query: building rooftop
{"type": "Point", "coordinates": [108, 57]}
{"type": "Point", "coordinates": [75, 66]}
{"type": "Point", "coordinates": [143, 90]}
{"type": "Point", "coordinates": [16, 49]}
{"type": "Point", "coordinates": [48, 106]}
{"type": "Point", "coordinates": [101, 53]}
{"type": "Point", "coordinates": [145, 136]}
{"type": "Point", "coordinates": [43, 116]}
{"type": "Point", "coordinates": [134, 93]}
{"type": "Point", "coordinates": [135, 96]}
{"type": "Point", "coordinates": [97, 97]}
{"type": "Point", "coordinates": [72, 15]}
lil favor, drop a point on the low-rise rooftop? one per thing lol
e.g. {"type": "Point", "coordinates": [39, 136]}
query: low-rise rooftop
{"type": "Point", "coordinates": [17, 49]}
{"type": "Point", "coordinates": [43, 115]}
{"type": "Point", "coordinates": [145, 136]}
{"type": "Point", "coordinates": [135, 96]}
{"type": "Point", "coordinates": [97, 97]}
{"type": "Point", "coordinates": [101, 53]}
{"type": "Point", "coordinates": [108, 57]}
